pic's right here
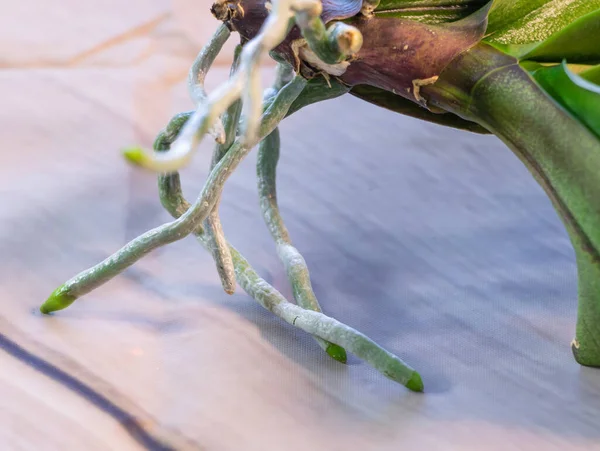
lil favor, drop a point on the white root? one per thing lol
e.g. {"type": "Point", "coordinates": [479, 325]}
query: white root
{"type": "Point", "coordinates": [244, 84]}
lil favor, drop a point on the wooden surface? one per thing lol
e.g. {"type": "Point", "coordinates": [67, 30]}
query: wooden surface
{"type": "Point", "coordinates": [436, 243]}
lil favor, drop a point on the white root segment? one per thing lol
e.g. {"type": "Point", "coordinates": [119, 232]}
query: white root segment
{"type": "Point", "coordinates": [245, 84]}
{"type": "Point", "coordinates": [197, 76]}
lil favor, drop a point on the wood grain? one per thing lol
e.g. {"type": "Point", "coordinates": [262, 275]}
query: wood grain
{"type": "Point", "coordinates": [436, 243]}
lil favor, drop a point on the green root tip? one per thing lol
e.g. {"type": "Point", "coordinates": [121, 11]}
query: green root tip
{"type": "Point", "coordinates": [415, 383]}
{"type": "Point", "coordinates": [337, 353]}
{"type": "Point", "coordinates": [586, 356]}
{"type": "Point", "coordinates": [58, 300]}
{"type": "Point", "coordinates": [135, 155]}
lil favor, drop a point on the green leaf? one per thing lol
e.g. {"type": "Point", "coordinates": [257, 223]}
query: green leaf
{"type": "Point", "coordinates": [526, 21]}
{"type": "Point", "coordinates": [592, 74]}
{"type": "Point", "coordinates": [577, 95]}
{"type": "Point", "coordinates": [429, 11]}
{"type": "Point", "coordinates": [586, 71]}
{"type": "Point", "coordinates": [398, 104]}
{"type": "Point", "coordinates": [317, 90]}
{"type": "Point", "coordinates": [578, 42]}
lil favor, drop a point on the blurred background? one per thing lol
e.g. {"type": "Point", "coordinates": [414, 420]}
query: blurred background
{"type": "Point", "coordinates": [436, 243]}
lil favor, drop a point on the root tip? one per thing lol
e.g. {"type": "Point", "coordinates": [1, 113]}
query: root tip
{"type": "Point", "coordinates": [337, 353]}
{"type": "Point", "coordinates": [58, 300]}
{"type": "Point", "coordinates": [415, 383]}
{"type": "Point", "coordinates": [134, 155]}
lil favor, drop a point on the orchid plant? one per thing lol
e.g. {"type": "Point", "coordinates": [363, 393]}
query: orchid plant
{"type": "Point", "coordinates": [527, 71]}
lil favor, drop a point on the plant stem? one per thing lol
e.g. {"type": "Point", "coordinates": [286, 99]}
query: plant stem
{"type": "Point", "coordinates": [294, 263]}
{"type": "Point", "coordinates": [187, 223]}
{"type": "Point", "coordinates": [490, 88]}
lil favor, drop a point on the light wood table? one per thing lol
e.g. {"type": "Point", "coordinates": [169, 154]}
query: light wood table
{"type": "Point", "coordinates": [436, 243]}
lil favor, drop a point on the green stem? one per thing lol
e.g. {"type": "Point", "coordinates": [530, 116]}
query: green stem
{"type": "Point", "coordinates": [294, 263]}
{"type": "Point", "coordinates": [488, 87]}
{"type": "Point", "coordinates": [187, 223]}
